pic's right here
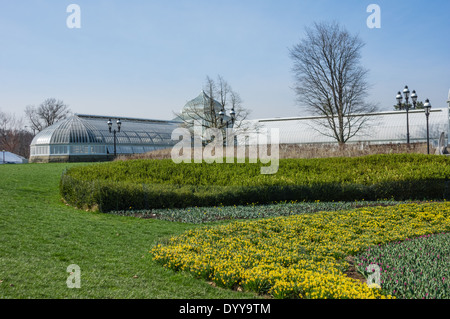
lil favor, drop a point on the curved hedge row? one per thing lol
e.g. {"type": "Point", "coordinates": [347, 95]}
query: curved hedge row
{"type": "Point", "coordinates": [148, 184]}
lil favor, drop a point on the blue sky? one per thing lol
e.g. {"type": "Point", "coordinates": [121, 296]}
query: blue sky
{"type": "Point", "coordinates": [147, 58]}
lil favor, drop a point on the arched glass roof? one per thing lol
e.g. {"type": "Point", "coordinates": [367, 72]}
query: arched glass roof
{"type": "Point", "coordinates": [91, 129]}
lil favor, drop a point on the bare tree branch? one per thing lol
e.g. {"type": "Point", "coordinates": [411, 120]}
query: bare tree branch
{"type": "Point", "coordinates": [13, 137]}
{"type": "Point", "coordinates": [47, 113]}
{"type": "Point", "coordinates": [330, 81]}
{"type": "Point", "coordinates": [203, 111]}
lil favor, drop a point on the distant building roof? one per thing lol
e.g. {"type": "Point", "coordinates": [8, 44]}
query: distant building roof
{"type": "Point", "coordinates": [201, 112]}
{"type": "Point", "coordinates": [11, 158]}
{"type": "Point", "coordinates": [203, 101]}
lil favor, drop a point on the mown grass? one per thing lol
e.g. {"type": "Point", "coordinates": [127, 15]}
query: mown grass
{"type": "Point", "coordinates": [41, 236]}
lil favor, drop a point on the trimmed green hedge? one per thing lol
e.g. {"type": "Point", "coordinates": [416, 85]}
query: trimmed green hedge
{"type": "Point", "coordinates": [148, 184]}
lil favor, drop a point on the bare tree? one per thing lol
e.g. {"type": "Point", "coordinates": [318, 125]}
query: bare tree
{"type": "Point", "coordinates": [13, 138]}
{"type": "Point", "coordinates": [216, 98]}
{"type": "Point", "coordinates": [47, 113]}
{"type": "Point", "coordinates": [330, 82]}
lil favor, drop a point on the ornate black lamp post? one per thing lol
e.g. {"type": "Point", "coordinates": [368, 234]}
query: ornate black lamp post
{"type": "Point", "coordinates": [399, 98]}
{"type": "Point", "coordinates": [414, 98]}
{"type": "Point", "coordinates": [119, 125]}
{"type": "Point", "coordinates": [222, 115]}
{"type": "Point", "coordinates": [427, 107]}
{"type": "Point", "coordinates": [232, 117]}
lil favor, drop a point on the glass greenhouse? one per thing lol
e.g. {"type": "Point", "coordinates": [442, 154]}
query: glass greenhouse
{"type": "Point", "coordinates": [87, 138]}
{"type": "Point", "coordinates": [380, 128]}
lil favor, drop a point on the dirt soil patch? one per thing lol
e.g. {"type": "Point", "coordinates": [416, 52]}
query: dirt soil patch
{"type": "Point", "coordinates": [352, 272]}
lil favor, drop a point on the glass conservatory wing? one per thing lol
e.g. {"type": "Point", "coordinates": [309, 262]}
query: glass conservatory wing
{"type": "Point", "coordinates": [157, 139]}
{"type": "Point", "coordinates": [133, 137]}
{"type": "Point", "coordinates": [145, 138]}
{"type": "Point", "coordinates": [382, 127]}
{"type": "Point", "coordinates": [89, 134]}
{"type": "Point", "coordinates": [122, 138]}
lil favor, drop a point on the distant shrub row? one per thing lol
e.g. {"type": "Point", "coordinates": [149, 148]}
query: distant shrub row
{"type": "Point", "coordinates": [149, 184]}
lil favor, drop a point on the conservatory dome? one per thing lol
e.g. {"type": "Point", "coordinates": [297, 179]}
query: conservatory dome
{"type": "Point", "coordinates": [201, 113]}
{"type": "Point", "coordinates": [71, 130]}
{"type": "Point", "coordinates": [202, 101]}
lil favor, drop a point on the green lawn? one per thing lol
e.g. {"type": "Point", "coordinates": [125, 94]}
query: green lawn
{"type": "Point", "coordinates": [40, 237]}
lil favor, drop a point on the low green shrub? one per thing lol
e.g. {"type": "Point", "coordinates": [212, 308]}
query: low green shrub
{"type": "Point", "coordinates": [150, 184]}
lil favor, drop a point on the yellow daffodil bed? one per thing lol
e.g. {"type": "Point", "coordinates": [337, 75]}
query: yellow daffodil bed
{"type": "Point", "coordinates": [300, 256]}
